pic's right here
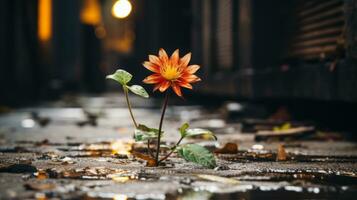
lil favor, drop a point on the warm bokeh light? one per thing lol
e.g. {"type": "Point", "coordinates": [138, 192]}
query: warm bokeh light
{"type": "Point", "coordinates": [44, 20]}
{"type": "Point", "coordinates": [90, 12]}
{"type": "Point", "coordinates": [121, 147]}
{"type": "Point", "coordinates": [120, 197]}
{"type": "Point", "coordinates": [121, 9]}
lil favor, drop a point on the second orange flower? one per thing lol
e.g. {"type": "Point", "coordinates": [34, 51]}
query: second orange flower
{"type": "Point", "coordinates": [171, 72]}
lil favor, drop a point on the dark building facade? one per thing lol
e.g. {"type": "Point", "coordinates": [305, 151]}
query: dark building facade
{"type": "Point", "coordinates": [281, 49]}
{"type": "Point", "coordinates": [248, 49]}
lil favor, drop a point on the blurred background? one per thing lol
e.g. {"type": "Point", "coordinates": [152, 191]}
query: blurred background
{"type": "Point", "coordinates": [296, 55]}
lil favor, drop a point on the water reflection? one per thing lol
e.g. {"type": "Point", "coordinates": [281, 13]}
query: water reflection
{"type": "Point", "coordinates": [28, 123]}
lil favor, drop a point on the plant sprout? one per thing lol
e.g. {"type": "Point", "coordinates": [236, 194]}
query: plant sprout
{"type": "Point", "coordinates": [169, 73]}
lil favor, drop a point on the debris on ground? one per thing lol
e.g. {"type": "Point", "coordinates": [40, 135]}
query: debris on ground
{"type": "Point", "coordinates": [99, 160]}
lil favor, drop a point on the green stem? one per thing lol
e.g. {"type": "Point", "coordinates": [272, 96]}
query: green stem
{"type": "Point", "coordinates": [160, 127]}
{"type": "Point", "coordinates": [126, 92]}
{"type": "Point", "coordinates": [129, 105]}
{"type": "Point", "coordinates": [172, 150]}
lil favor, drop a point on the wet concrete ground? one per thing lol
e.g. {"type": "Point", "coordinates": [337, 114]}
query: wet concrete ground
{"type": "Point", "coordinates": [72, 156]}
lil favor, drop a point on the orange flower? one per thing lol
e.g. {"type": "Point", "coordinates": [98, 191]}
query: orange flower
{"type": "Point", "coordinates": [171, 72]}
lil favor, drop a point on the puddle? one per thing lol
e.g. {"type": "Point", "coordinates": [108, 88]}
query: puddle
{"type": "Point", "coordinates": [287, 192]}
{"type": "Point", "coordinates": [15, 149]}
{"type": "Point", "coordinates": [117, 149]}
{"type": "Point", "coordinates": [243, 191]}
{"type": "Point", "coordinates": [307, 176]}
{"type": "Point", "coordinates": [277, 184]}
{"type": "Point", "coordinates": [18, 168]}
{"type": "Point", "coordinates": [94, 173]}
{"type": "Point", "coordinates": [271, 184]}
{"type": "Point", "coordinates": [115, 196]}
{"type": "Point", "coordinates": [269, 156]}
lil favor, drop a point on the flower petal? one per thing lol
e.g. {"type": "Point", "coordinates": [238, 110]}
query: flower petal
{"type": "Point", "coordinates": [192, 69]}
{"type": "Point", "coordinates": [151, 66]}
{"type": "Point", "coordinates": [155, 60]}
{"type": "Point", "coordinates": [163, 55]}
{"type": "Point", "coordinates": [185, 85]}
{"type": "Point", "coordinates": [177, 89]}
{"type": "Point", "coordinates": [190, 78]}
{"type": "Point", "coordinates": [185, 60]}
{"type": "Point", "coordinates": [164, 85]}
{"type": "Point", "coordinates": [175, 57]}
{"type": "Point", "coordinates": [152, 79]}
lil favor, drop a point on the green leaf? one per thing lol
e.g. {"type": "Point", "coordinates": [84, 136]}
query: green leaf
{"type": "Point", "coordinates": [121, 76]}
{"type": "Point", "coordinates": [197, 154]}
{"type": "Point", "coordinates": [143, 133]}
{"type": "Point", "coordinates": [138, 90]}
{"type": "Point", "coordinates": [197, 131]}
{"type": "Point", "coordinates": [183, 129]}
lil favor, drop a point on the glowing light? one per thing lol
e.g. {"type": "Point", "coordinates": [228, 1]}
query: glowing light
{"type": "Point", "coordinates": [121, 147]}
{"type": "Point", "coordinates": [90, 12]}
{"type": "Point", "coordinates": [44, 20]}
{"type": "Point", "coordinates": [120, 197]}
{"type": "Point", "coordinates": [121, 9]}
{"type": "Point", "coordinates": [120, 179]}
{"type": "Point", "coordinates": [257, 147]}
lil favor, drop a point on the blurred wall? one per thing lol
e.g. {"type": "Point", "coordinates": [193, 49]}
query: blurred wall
{"type": "Point", "coordinates": [53, 47]}
{"type": "Point", "coordinates": [300, 49]}
{"type": "Point", "coordinates": [46, 51]}
{"type": "Point", "coordinates": [21, 76]}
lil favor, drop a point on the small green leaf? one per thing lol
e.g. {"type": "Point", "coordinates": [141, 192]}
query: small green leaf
{"type": "Point", "coordinates": [197, 154]}
{"type": "Point", "coordinates": [197, 131]}
{"type": "Point", "coordinates": [138, 90]}
{"type": "Point", "coordinates": [143, 133]}
{"type": "Point", "coordinates": [183, 129]}
{"type": "Point", "coordinates": [121, 76]}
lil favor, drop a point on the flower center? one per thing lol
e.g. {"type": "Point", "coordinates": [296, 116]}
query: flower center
{"type": "Point", "coordinates": [170, 72]}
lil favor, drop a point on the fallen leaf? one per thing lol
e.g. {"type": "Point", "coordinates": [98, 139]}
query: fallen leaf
{"type": "Point", "coordinates": [284, 127]}
{"type": "Point", "coordinates": [71, 174]}
{"type": "Point", "coordinates": [150, 162]}
{"type": "Point", "coordinates": [281, 154]}
{"type": "Point", "coordinates": [229, 148]}
{"type": "Point", "coordinates": [296, 132]}
{"type": "Point", "coordinates": [41, 174]}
